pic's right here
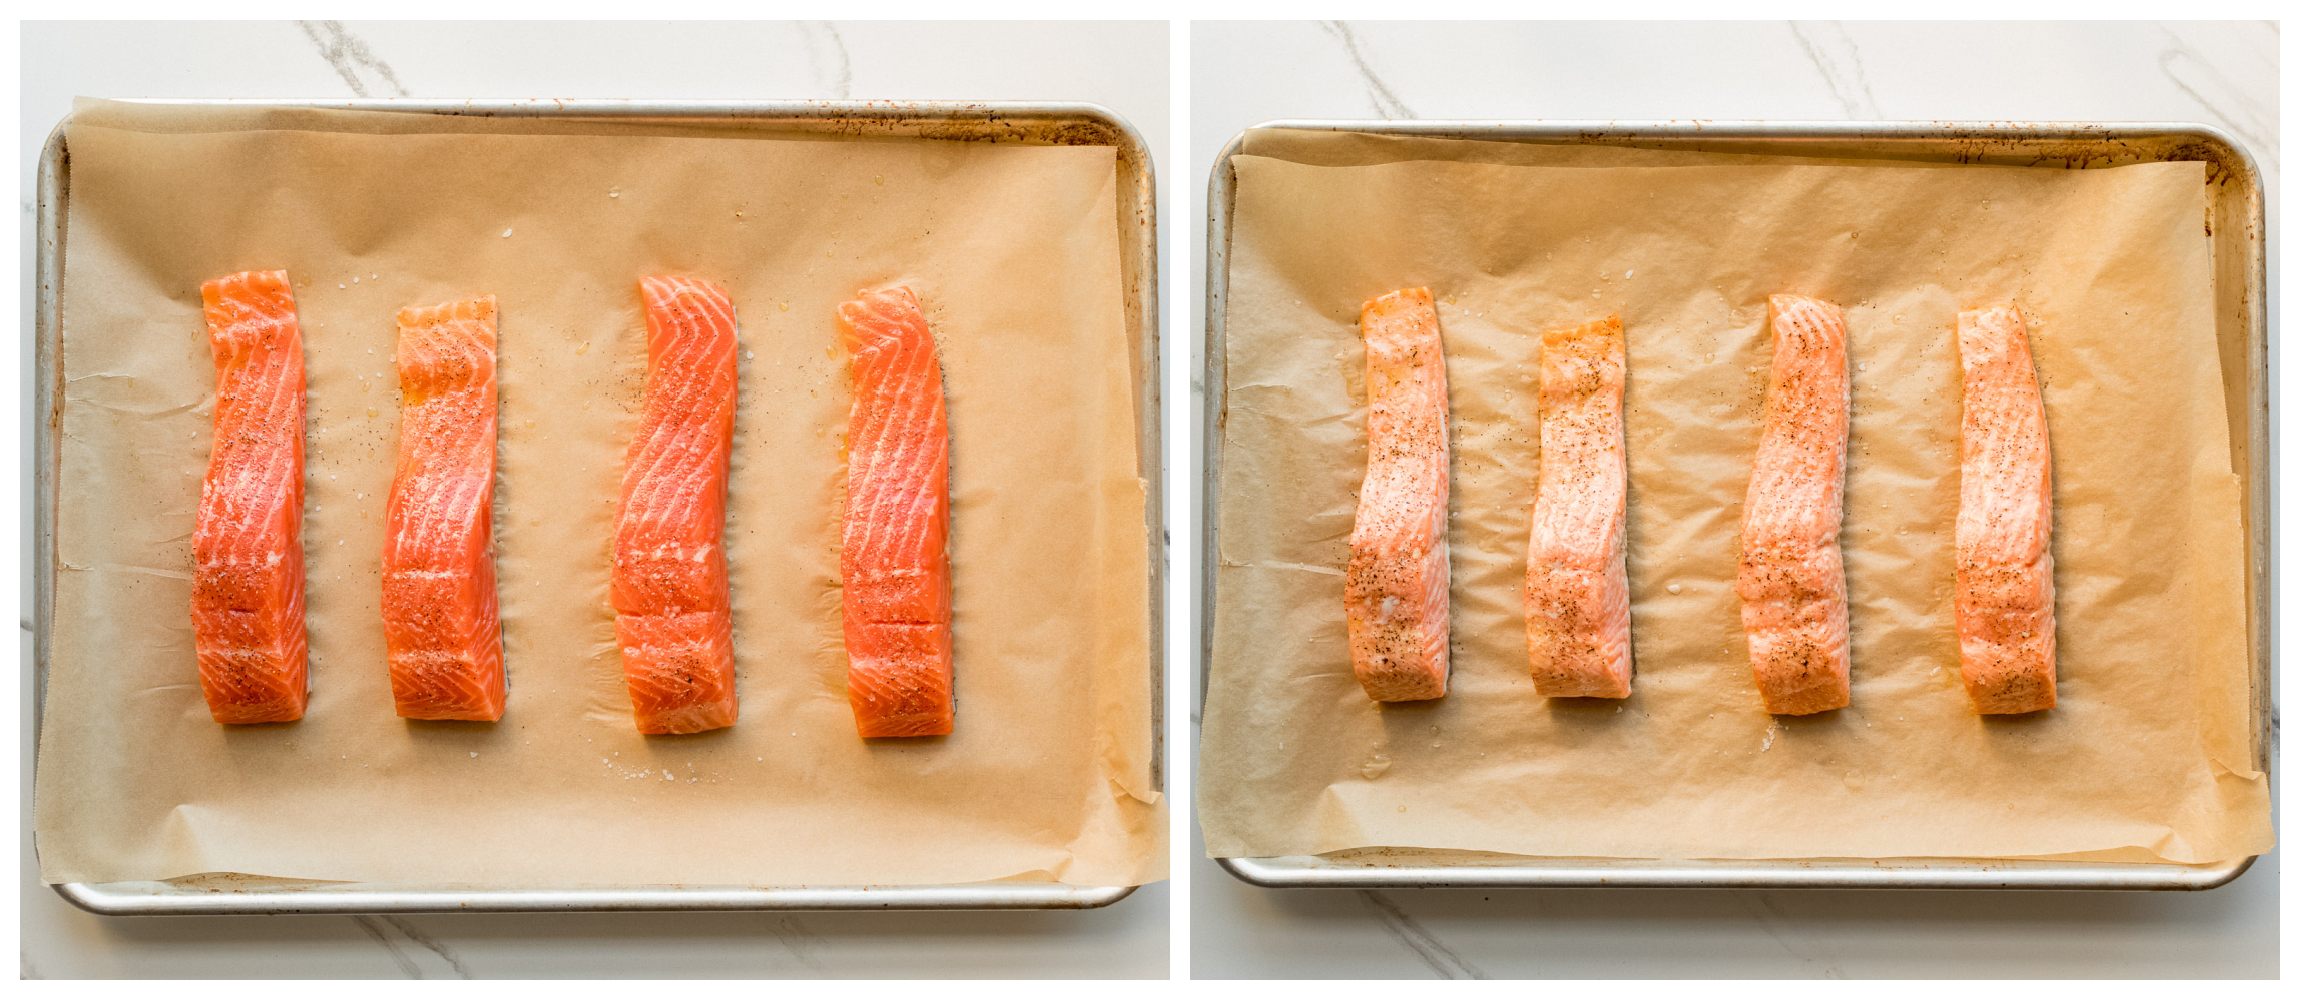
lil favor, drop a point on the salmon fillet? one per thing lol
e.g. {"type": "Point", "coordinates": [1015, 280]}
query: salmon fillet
{"type": "Point", "coordinates": [247, 546]}
{"type": "Point", "coordinates": [1395, 593]}
{"type": "Point", "coordinates": [2004, 520]}
{"type": "Point", "coordinates": [1577, 574]}
{"type": "Point", "coordinates": [1792, 579]}
{"type": "Point", "coordinates": [440, 628]}
{"type": "Point", "coordinates": [892, 557]}
{"type": "Point", "coordinates": [672, 616]}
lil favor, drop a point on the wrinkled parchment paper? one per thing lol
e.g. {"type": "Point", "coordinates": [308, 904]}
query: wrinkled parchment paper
{"type": "Point", "coordinates": [2147, 757]}
{"type": "Point", "coordinates": [1013, 250]}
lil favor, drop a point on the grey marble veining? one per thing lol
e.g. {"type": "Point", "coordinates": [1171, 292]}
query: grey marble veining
{"type": "Point", "coordinates": [1838, 58]}
{"type": "Point", "coordinates": [1386, 103]}
{"type": "Point", "coordinates": [2212, 67]}
{"type": "Point", "coordinates": [827, 56]}
{"type": "Point", "coordinates": [366, 75]}
{"type": "Point", "coordinates": [1424, 946]}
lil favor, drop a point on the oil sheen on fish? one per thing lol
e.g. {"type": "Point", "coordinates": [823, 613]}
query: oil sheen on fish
{"type": "Point", "coordinates": [672, 617]}
{"type": "Point", "coordinates": [440, 627]}
{"type": "Point", "coordinates": [1395, 591]}
{"type": "Point", "coordinates": [1577, 576]}
{"type": "Point", "coordinates": [247, 549]}
{"type": "Point", "coordinates": [2004, 520]}
{"type": "Point", "coordinates": [1792, 578]}
{"type": "Point", "coordinates": [892, 542]}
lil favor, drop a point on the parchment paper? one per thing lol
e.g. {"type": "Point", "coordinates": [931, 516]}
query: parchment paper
{"type": "Point", "coordinates": [1013, 250]}
{"type": "Point", "coordinates": [2147, 756]}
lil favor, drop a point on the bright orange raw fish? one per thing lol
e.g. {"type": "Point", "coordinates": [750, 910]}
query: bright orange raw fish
{"type": "Point", "coordinates": [672, 616]}
{"type": "Point", "coordinates": [247, 548]}
{"type": "Point", "coordinates": [440, 628]}
{"type": "Point", "coordinates": [892, 545]}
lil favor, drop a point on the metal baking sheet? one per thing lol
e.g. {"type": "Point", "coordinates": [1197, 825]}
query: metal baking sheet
{"type": "Point", "coordinates": [2239, 252]}
{"type": "Point", "coordinates": [1035, 123]}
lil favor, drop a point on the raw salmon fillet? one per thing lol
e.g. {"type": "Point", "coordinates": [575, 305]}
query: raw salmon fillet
{"type": "Point", "coordinates": [1577, 574]}
{"type": "Point", "coordinates": [1395, 591]}
{"type": "Point", "coordinates": [670, 591]}
{"type": "Point", "coordinates": [440, 628]}
{"type": "Point", "coordinates": [2004, 520]}
{"type": "Point", "coordinates": [1792, 579]}
{"type": "Point", "coordinates": [892, 555]}
{"type": "Point", "coordinates": [247, 547]}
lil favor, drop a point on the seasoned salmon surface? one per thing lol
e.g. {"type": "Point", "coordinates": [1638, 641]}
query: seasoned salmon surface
{"type": "Point", "coordinates": [892, 542]}
{"type": "Point", "coordinates": [1395, 592]}
{"type": "Point", "coordinates": [1577, 573]}
{"type": "Point", "coordinates": [672, 617]}
{"type": "Point", "coordinates": [247, 547]}
{"type": "Point", "coordinates": [1792, 578]}
{"type": "Point", "coordinates": [2004, 520]}
{"type": "Point", "coordinates": [440, 628]}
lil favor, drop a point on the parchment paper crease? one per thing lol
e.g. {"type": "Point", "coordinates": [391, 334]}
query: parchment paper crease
{"type": "Point", "coordinates": [2148, 755]}
{"type": "Point", "coordinates": [1014, 251]}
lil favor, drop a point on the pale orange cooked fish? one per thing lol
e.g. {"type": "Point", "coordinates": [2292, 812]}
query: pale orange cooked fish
{"type": "Point", "coordinates": [1395, 591]}
{"type": "Point", "coordinates": [1576, 574]}
{"type": "Point", "coordinates": [2004, 520]}
{"type": "Point", "coordinates": [1792, 579]}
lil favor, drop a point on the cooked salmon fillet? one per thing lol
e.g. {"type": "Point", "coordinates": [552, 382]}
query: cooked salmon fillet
{"type": "Point", "coordinates": [1395, 591]}
{"type": "Point", "coordinates": [670, 584]}
{"type": "Point", "coordinates": [1577, 574]}
{"type": "Point", "coordinates": [440, 628]}
{"type": "Point", "coordinates": [2004, 520]}
{"type": "Point", "coordinates": [247, 547]}
{"type": "Point", "coordinates": [1792, 579]}
{"type": "Point", "coordinates": [892, 558]}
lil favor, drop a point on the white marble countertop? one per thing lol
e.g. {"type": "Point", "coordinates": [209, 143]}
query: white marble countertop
{"type": "Point", "coordinates": [2224, 74]}
{"type": "Point", "coordinates": [1120, 65]}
